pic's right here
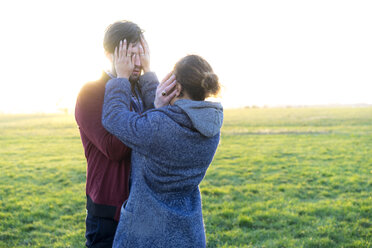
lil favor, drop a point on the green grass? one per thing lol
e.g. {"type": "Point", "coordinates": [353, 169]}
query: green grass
{"type": "Point", "coordinates": [283, 177]}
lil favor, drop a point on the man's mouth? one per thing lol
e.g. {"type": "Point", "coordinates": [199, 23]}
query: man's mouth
{"type": "Point", "coordinates": [136, 71]}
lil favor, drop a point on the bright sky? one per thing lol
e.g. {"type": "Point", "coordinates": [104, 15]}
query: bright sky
{"type": "Point", "coordinates": [265, 52]}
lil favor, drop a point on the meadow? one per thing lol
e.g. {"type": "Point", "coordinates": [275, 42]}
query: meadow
{"type": "Point", "coordinates": [281, 177]}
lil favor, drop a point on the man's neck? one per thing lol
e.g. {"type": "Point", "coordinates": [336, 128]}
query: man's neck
{"type": "Point", "coordinates": [112, 70]}
{"type": "Point", "coordinates": [133, 83]}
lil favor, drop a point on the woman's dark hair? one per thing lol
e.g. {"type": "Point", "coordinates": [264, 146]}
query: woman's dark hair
{"type": "Point", "coordinates": [196, 77]}
{"type": "Point", "coordinates": [119, 31]}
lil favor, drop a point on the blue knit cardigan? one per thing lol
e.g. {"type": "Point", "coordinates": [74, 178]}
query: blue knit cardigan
{"type": "Point", "coordinates": [172, 148]}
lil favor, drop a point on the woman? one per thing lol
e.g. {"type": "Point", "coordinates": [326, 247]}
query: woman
{"type": "Point", "coordinates": [172, 147]}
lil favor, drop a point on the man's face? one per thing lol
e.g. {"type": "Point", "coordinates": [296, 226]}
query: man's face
{"type": "Point", "coordinates": [137, 63]}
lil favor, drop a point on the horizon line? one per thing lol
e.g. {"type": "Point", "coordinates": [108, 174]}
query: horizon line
{"type": "Point", "coordinates": [249, 106]}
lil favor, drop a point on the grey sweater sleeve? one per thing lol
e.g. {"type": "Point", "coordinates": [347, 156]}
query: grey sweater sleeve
{"type": "Point", "coordinates": [148, 83]}
{"type": "Point", "coordinates": [134, 130]}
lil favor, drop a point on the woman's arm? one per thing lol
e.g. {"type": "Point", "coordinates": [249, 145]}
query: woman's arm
{"type": "Point", "coordinates": [148, 83]}
{"type": "Point", "coordinates": [134, 130]}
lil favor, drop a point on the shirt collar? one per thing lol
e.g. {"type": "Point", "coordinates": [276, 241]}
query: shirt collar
{"type": "Point", "coordinates": [110, 74]}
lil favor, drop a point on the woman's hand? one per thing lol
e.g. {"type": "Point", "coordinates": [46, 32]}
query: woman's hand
{"type": "Point", "coordinates": [123, 60]}
{"type": "Point", "coordinates": [144, 55]}
{"type": "Point", "coordinates": [166, 91]}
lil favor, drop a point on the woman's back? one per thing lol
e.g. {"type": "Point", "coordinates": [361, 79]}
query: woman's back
{"type": "Point", "coordinates": [180, 153]}
{"type": "Point", "coordinates": [164, 206]}
{"type": "Point", "coordinates": [172, 148]}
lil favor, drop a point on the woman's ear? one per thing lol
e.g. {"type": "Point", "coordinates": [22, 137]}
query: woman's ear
{"type": "Point", "coordinates": [178, 89]}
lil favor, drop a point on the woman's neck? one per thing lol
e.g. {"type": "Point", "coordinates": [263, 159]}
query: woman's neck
{"type": "Point", "coordinates": [184, 96]}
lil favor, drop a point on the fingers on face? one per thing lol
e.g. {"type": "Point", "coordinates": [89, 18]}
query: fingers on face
{"type": "Point", "coordinates": [170, 81]}
{"type": "Point", "coordinates": [170, 86]}
{"type": "Point", "coordinates": [168, 89]}
{"type": "Point", "coordinates": [129, 51]}
{"type": "Point", "coordinates": [171, 95]}
{"type": "Point", "coordinates": [144, 43]}
{"type": "Point", "coordinates": [120, 50]}
{"type": "Point", "coordinates": [146, 46]}
{"type": "Point", "coordinates": [142, 52]}
{"type": "Point", "coordinates": [124, 48]}
{"type": "Point", "coordinates": [116, 54]}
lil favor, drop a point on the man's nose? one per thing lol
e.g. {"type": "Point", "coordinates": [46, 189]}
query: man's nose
{"type": "Point", "coordinates": [137, 61]}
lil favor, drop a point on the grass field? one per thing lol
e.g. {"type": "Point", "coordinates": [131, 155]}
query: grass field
{"type": "Point", "coordinates": [290, 177]}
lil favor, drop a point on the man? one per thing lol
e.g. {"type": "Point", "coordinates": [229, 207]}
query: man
{"type": "Point", "coordinates": [108, 159]}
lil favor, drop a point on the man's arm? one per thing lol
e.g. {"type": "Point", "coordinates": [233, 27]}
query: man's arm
{"type": "Point", "coordinates": [88, 117]}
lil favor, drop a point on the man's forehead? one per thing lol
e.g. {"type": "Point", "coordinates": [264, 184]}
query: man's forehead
{"type": "Point", "coordinates": [135, 47]}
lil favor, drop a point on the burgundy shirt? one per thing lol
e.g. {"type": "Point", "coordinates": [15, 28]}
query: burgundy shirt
{"type": "Point", "coordinates": [108, 159]}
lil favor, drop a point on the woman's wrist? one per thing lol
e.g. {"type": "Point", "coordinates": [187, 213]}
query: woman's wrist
{"type": "Point", "coordinates": [146, 69]}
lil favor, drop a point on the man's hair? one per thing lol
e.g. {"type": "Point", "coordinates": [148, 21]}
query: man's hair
{"type": "Point", "coordinates": [118, 31]}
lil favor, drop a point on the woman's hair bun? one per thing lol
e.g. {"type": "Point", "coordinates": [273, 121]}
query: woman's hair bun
{"type": "Point", "coordinates": [210, 84]}
{"type": "Point", "coordinates": [196, 77]}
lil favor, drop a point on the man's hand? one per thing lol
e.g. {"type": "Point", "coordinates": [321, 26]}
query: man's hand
{"type": "Point", "coordinates": [166, 91]}
{"type": "Point", "coordinates": [144, 55]}
{"type": "Point", "coordinates": [123, 60]}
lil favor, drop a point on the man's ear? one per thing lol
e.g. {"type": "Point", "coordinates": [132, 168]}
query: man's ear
{"type": "Point", "coordinates": [109, 56]}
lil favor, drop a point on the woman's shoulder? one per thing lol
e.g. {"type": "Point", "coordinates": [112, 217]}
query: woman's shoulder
{"type": "Point", "coordinates": [166, 113]}
{"type": "Point", "coordinates": [168, 119]}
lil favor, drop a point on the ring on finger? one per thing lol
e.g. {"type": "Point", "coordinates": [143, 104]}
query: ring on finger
{"type": "Point", "coordinates": [163, 93]}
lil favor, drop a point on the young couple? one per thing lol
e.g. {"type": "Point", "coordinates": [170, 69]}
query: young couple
{"type": "Point", "coordinates": [147, 145]}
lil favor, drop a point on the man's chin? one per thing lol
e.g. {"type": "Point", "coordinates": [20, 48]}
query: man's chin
{"type": "Point", "coordinates": [134, 78]}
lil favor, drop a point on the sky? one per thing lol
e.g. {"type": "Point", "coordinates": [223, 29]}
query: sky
{"type": "Point", "coordinates": [265, 52]}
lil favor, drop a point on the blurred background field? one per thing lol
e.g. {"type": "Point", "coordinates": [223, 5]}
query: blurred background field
{"type": "Point", "coordinates": [282, 177]}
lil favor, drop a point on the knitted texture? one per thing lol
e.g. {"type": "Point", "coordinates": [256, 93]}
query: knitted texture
{"type": "Point", "coordinates": [172, 148]}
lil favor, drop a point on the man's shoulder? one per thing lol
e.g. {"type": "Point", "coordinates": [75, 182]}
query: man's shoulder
{"type": "Point", "coordinates": [89, 87]}
{"type": "Point", "coordinates": [93, 88]}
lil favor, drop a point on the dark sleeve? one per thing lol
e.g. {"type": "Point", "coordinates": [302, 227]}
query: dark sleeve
{"type": "Point", "coordinates": [148, 83]}
{"type": "Point", "coordinates": [88, 117]}
{"type": "Point", "coordinates": [136, 131]}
